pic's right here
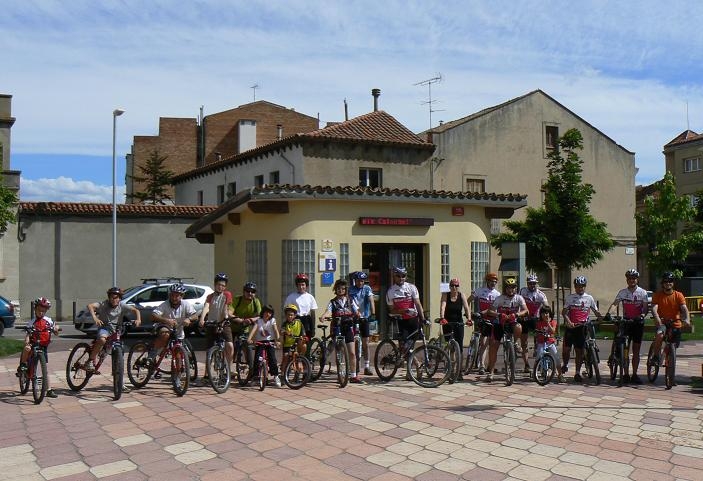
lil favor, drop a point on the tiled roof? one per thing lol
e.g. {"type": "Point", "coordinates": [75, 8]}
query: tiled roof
{"type": "Point", "coordinates": [377, 127]}
{"type": "Point", "coordinates": [683, 137]}
{"type": "Point", "coordinates": [123, 210]}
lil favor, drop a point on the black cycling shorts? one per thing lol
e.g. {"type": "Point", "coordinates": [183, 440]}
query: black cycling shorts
{"type": "Point", "coordinates": [528, 324]}
{"type": "Point", "coordinates": [575, 336]}
{"type": "Point", "coordinates": [346, 329]}
{"type": "Point", "coordinates": [364, 327]}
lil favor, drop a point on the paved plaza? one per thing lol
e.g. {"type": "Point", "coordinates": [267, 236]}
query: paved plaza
{"type": "Point", "coordinates": [469, 430]}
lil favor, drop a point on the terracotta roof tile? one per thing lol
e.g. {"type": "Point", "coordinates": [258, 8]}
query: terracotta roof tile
{"type": "Point", "coordinates": [685, 136]}
{"type": "Point", "coordinates": [123, 210]}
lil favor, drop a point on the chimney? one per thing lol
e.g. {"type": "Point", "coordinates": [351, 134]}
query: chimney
{"type": "Point", "coordinates": [279, 128]}
{"type": "Point", "coordinates": [376, 93]}
{"type": "Point", "coordinates": [218, 156]}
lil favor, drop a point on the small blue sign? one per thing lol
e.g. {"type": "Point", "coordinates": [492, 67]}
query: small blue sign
{"type": "Point", "coordinates": [330, 264]}
{"type": "Point", "coordinates": [327, 279]}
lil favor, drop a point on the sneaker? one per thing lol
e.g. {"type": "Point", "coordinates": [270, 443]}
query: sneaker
{"type": "Point", "coordinates": [488, 378]}
{"type": "Point", "coordinates": [356, 380]}
{"type": "Point", "coordinates": [481, 370]}
{"type": "Point", "coordinates": [564, 368]}
{"type": "Point", "coordinates": [527, 368]}
{"type": "Point", "coordinates": [205, 381]}
{"type": "Point", "coordinates": [126, 388]}
{"type": "Point", "coordinates": [626, 379]}
{"type": "Point", "coordinates": [367, 372]}
{"type": "Point", "coordinates": [577, 378]}
{"type": "Point", "coordinates": [518, 350]}
{"type": "Point", "coordinates": [89, 366]}
{"type": "Point", "coordinates": [277, 380]}
{"type": "Point", "coordinates": [22, 368]}
{"type": "Point", "coordinates": [50, 393]}
{"type": "Point", "coordinates": [635, 379]}
{"type": "Point", "coordinates": [157, 375]}
{"type": "Point", "coordinates": [560, 378]}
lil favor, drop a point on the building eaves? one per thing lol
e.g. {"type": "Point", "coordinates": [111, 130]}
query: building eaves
{"type": "Point", "coordinates": [684, 137]}
{"type": "Point", "coordinates": [81, 209]}
{"type": "Point", "coordinates": [257, 102]}
{"type": "Point", "coordinates": [362, 194]}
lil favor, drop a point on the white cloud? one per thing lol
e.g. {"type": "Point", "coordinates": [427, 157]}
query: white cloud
{"type": "Point", "coordinates": [65, 189]}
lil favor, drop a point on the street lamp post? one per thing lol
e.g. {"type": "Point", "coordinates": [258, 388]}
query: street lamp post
{"type": "Point", "coordinates": [115, 113]}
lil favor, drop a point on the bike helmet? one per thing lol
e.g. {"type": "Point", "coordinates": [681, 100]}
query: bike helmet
{"type": "Point", "coordinates": [510, 282]}
{"type": "Point", "coordinates": [455, 282]}
{"type": "Point", "coordinates": [267, 308]}
{"type": "Point", "coordinates": [302, 278]}
{"type": "Point", "coordinates": [580, 281]}
{"type": "Point", "coordinates": [360, 275]}
{"type": "Point", "coordinates": [532, 278]}
{"type": "Point", "coordinates": [115, 291]}
{"type": "Point", "coordinates": [632, 273]}
{"type": "Point", "coordinates": [668, 276]}
{"type": "Point", "coordinates": [221, 277]}
{"type": "Point", "coordinates": [400, 271]}
{"type": "Point", "coordinates": [43, 302]}
{"type": "Point", "coordinates": [177, 288]}
{"type": "Point", "coordinates": [291, 307]}
{"type": "Point", "coordinates": [492, 276]}
{"type": "Point", "coordinates": [250, 286]}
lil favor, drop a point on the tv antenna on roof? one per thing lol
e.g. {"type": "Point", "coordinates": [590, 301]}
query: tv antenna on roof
{"type": "Point", "coordinates": [254, 87]}
{"type": "Point", "coordinates": [430, 102]}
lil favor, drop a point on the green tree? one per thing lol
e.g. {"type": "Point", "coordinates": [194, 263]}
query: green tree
{"type": "Point", "coordinates": [8, 201]}
{"type": "Point", "coordinates": [157, 180]}
{"type": "Point", "coordinates": [667, 228]}
{"type": "Point", "coordinates": [562, 233]}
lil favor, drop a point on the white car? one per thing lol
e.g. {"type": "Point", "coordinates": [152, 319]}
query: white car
{"type": "Point", "coordinates": [146, 297]}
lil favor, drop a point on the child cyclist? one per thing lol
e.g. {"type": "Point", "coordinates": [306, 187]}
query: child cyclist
{"type": "Point", "coordinates": [546, 328]}
{"type": "Point", "coordinates": [345, 309]}
{"type": "Point", "coordinates": [265, 329]}
{"type": "Point", "coordinates": [292, 327]}
{"type": "Point", "coordinates": [46, 326]}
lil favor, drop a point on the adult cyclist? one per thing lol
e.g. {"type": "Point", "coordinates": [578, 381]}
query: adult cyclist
{"type": "Point", "coordinates": [506, 310]}
{"type": "Point", "coordinates": [534, 299]}
{"type": "Point", "coordinates": [484, 297]}
{"type": "Point", "coordinates": [668, 305]}
{"type": "Point", "coordinates": [403, 299]}
{"type": "Point", "coordinates": [306, 303]}
{"type": "Point", "coordinates": [577, 307]}
{"type": "Point", "coordinates": [218, 307]}
{"type": "Point", "coordinates": [363, 295]}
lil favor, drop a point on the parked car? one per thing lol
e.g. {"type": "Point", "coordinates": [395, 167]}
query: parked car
{"type": "Point", "coordinates": [146, 297]}
{"type": "Point", "coordinates": [7, 315]}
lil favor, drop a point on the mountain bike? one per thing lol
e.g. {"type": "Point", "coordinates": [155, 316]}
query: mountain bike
{"type": "Point", "coordinates": [77, 375]}
{"type": "Point", "coordinates": [619, 358]}
{"type": "Point", "coordinates": [217, 365]}
{"type": "Point", "coordinates": [665, 357]}
{"type": "Point", "coordinates": [451, 346]}
{"type": "Point", "coordinates": [36, 371]}
{"type": "Point", "coordinates": [546, 362]}
{"type": "Point", "coordinates": [472, 360]}
{"type": "Point", "coordinates": [341, 355]}
{"type": "Point", "coordinates": [322, 350]}
{"type": "Point", "coordinates": [590, 351]}
{"type": "Point", "coordinates": [243, 359]}
{"type": "Point", "coordinates": [296, 368]}
{"type": "Point", "coordinates": [141, 367]}
{"type": "Point", "coordinates": [509, 356]}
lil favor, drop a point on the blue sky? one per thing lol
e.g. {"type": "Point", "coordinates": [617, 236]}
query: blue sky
{"type": "Point", "coordinates": [628, 68]}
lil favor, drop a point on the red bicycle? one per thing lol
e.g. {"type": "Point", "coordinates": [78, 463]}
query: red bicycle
{"type": "Point", "coordinates": [36, 372]}
{"type": "Point", "coordinates": [141, 367]}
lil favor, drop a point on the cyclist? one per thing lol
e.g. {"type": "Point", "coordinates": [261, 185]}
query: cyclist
{"type": "Point", "coordinates": [172, 313]}
{"type": "Point", "coordinates": [505, 311]}
{"type": "Point", "coordinates": [41, 321]}
{"type": "Point", "coordinates": [634, 307]}
{"type": "Point", "coordinates": [451, 306]}
{"type": "Point", "coordinates": [403, 298]}
{"type": "Point", "coordinates": [217, 308]}
{"type": "Point", "coordinates": [577, 306]}
{"type": "Point", "coordinates": [484, 296]}
{"type": "Point", "coordinates": [245, 308]}
{"type": "Point", "coordinates": [343, 305]}
{"type": "Point", "coordinates": [292, 327]}
{"type": "Point", "coordinates": [546, 322]}
{"type": "Point", "coordinates": [108, 316]}
{"type": "Point", "coordinates": [668, 305]}
{"type": "Point", "coordinates": [265, 329]}
{"type": "Point", "coordinates": [306, 303]}
{"type": "Point", "coordinates": [535, 299]}
{"type": "Point", "coordinates": [363, 295]}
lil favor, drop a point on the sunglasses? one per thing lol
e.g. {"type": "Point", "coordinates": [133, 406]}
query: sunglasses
{"type": "Point", "coordinates": [453, 285]}
{"type": "Point", "coordinates": [402, 276]}
{"type": "Point", "coordinates": [250, 291]}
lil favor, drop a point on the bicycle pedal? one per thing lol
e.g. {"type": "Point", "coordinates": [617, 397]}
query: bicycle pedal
{"type": "Point", "coordinates": [96, 373]}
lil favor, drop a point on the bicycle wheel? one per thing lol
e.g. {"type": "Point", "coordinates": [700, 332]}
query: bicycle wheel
{"type": "Point", "coordinates": [297, 372]}
{"type": "Point", "coordinates": [192, 360]}
{"type": "Point", "coordinates": [316, 356]}
{"type": "Point", "coordinates": [454, 352]}
{"type": "Point", "coordinates": [429, 366]}
{"type": "Point", "coordinates": [39, 378]}
{"type": "Point", "coordinates": [594, 370]}
{"type": "Point", "coordinates": [613, 363]}
{"type": "Point", "coordinates": [342, 363]}
{"type": "Point", "coordinates": [243, 365]}
{"type": "Point", "coordinates": [217, 369]}
{"type": "Point", "coordinates": [117, 372]}
{"type": "Point", "coordinates": [619, 362]}
{"type": "Point", "coordinates": [385, 360]}
{"type": "Point", "coordinates": [357, 352]}
{"type": "Point", "coordinates": [471, 361]}
{"type": "Point", "coordinates": [180, 370]}
{"type": "Point", "coordinates": [24, 381]}
{"type": "Point", "coordinates": [509, 362]}
{"type": "Point", "coordinates": [263, 373]}
{"type": "Point", "coordinates": [76, 375]}
{"type": "Point", "coordinates": [139, 370]}
{"type": "Point", "coordinates": [652, 367]}
{"type": "Point", "coordinates": [670, 372]}
{"type": "Point", "coordinates": [543, 370]}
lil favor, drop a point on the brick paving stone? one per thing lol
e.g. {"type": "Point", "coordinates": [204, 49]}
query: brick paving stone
{"type": "Point", "coordinates": [647, 475]}
{"type": "Point", "coordinates": [573, 471]}
{"type": "Point", "coordinates": [483, 474]}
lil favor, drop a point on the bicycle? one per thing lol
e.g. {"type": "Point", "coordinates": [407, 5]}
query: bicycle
{"type": "Point", "coordinates": [667, 353]}
{"type": "Point", "coordinates": [451, 346]}
{"type": "Point", "coordinates": [590, 351]}
{"type": "Point", "coordinates": [296, 369]}
{"type": "Point", "coordinates": [77, 376]}
{"type": "Point", "coordinates": [217, 365]}
{"type": "Point", "coordinates": [472, 360]}
{"type": "Point", "coordinates": [321, 349]}
{"type": "Point", "coordinates": [509, 356]}
{"type": "Point", "coordinates": [242, 360]}
{"type": "Point", "coordinates": [619, 358]}
{"type": "Point", "coordinates": [36, 371]}
{"type": "Point", "coordinates": [141, 367]}
{"type": "Point", "coordinates": [546, 362]}
{"type": "Point", "coordinates": [427, 366]}
{"type": "Point", "coordinates": [262, 362]}
{"type": "Point", "coordinates": [341, 355]}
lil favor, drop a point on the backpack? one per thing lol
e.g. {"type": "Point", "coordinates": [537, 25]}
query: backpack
{"type": "Point", "coordinates": [42, 333]}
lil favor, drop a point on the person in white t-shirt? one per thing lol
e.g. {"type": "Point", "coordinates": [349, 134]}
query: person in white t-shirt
{"type": "Point", "coordinates": [306, 303]}
{"type": "Point", "coordinates": [266, 330]}
{"type": "Point", "coordinates": [174, 313]}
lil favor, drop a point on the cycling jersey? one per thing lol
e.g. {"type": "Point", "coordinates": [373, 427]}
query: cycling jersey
{"type": "Point", "coordinates": [291, 330]}
{"type": "Point", "coordinates": [244, 310]}
{"type": "Point", "coordinates": [342, 307]}
{"type": "Point", "coordinates": [364, 297]}
{"type": "Point", "coordinates": [485, 296]}
{"type": "Point", "coordinates": [634, 303]}
{"type": "Point", "coordinates": [185, 309]}
{"type": "Point", "coordinates": [578, 307]}
{"type": "Point", "coordinates": [402, 299]}
{"type": "Point", "coordinates": [669, 306]}
{"type": "Point", "coordinates": [534, 300]}
{"type": "Point", "coordinates": [509, 304]}
{"type": "Point", "coordinates": [218, 305]}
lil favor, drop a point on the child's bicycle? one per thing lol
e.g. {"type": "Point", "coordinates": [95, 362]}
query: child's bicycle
{"type": "Point", "coordinates": [77, 375]}
{"type": "Point", "coordinates": [262, 362]}
{"type": "Point", "coordinates": [296, 368]}
{"type": "Point", "coordinates": [216, 364]}
{"type": "Point", "coordinates": [546, 362]}
{"type": "Point", "coordinates": [141, 368]}
{"type": "Point", "coordinates": [36, 371]}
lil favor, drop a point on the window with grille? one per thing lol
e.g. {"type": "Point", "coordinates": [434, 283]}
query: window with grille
{"type": "Point", "coordinates": [370, 178]}
{"type": "Point", "coordinates": [480, 255]}
{"type": "Point", "coordinates": [444, 262]}
{"type": "Point", "coordinates": [256, 267]}
{"type": "Point", "coordinates": [297, 256]}
{"type": "Point", "coordinates": [343, 260]}
{"type": "Point", "coordinates": [474, 185]}
{"type": "Point", "coordinates": [692, 164]}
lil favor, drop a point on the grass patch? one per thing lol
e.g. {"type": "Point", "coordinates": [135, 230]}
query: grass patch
{"type": "Point", "coordinates": [10, 346]}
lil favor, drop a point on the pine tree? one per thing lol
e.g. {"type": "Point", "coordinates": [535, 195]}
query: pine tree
{"type": "Point", "coordinates": [157, 180]}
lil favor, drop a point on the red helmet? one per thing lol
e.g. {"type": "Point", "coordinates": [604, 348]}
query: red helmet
{"type": "Point", "coordinates": [302, 278]}
{"type": "Point", "coordinates": [492, 276]}
{"type": "Point", "coordinates": [43, 302]}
